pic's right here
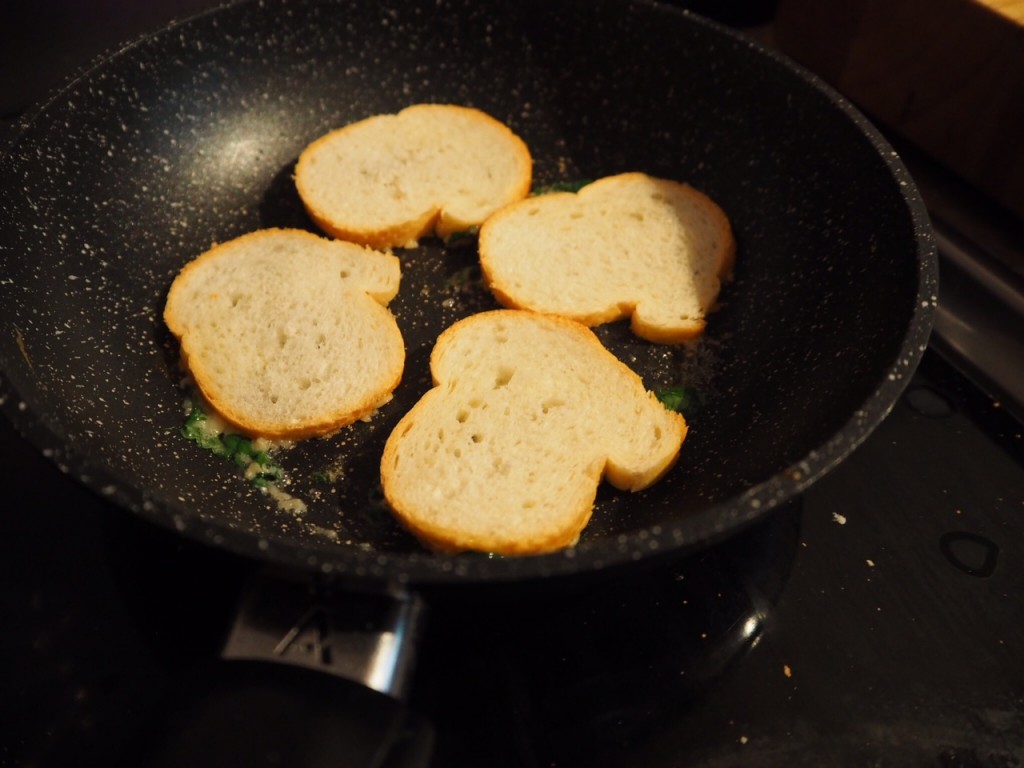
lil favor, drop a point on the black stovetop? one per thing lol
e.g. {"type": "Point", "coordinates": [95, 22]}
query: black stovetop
{"type": "Point", "coordinates": [877, 621]}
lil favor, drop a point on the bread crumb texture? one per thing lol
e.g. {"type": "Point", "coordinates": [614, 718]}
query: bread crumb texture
{"type": "Point", "coordinates": [430, 169]}
{"type": "Point", "coordinates": [287, 334]}
{"type": "Point", "coordinates": [528, 413]}
{"type": "Point", "coordinates": [629, 245]}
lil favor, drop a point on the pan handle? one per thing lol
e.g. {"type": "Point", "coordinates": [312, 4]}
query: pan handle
{"type": "Point", "coordinates": [311, 675]}
{"type": "Point", "coordinates": [366, 636]}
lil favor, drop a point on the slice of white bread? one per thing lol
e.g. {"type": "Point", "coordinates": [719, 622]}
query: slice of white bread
{"type": "Point", "coordinates": [528, 413]}
{"type": "Point", "coordinates": [287, 334]}
{"type": "Point", "coordinates": [625, 245]}
{"type": "Point", "coordinates": [389, 180]}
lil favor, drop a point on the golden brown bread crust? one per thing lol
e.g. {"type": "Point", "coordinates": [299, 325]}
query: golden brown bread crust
{"type": "Point", "coordinates": [484, 404]}
{"type": "Point", "coordinates": [405, 234]}
{"type": "Point", "coordinates": [501, 269]}
{"type": "Point", "coordinates": [404, 228]}
{"type": "Point", "coordinates": [452, 539]}
{"type": "Point", "coordinates": [245, 425]}
{"type": "Point", "coordinates": [247, 420]}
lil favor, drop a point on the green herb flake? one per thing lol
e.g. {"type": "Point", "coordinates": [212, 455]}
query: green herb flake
{"type": "Point", "coordinates": [463, 237]}
{"type": "Point", "coordinates": [561, 186]}
{"type": "Point", "coordinates": [678, 399]}
{"type": "Point", "coordinates": [197, 430]}
{"type": "Point", "coordinates": [237, 448]}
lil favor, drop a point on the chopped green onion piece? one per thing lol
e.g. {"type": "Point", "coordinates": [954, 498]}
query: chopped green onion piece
{"type": "Point", "coordinates": [561, 186]}
{"type": "Point", "coordinates": [462, 237]}
{"type": "Point", "coordinates": [677, 398]}
{"type": "Point", "coordinates": [237, 448]}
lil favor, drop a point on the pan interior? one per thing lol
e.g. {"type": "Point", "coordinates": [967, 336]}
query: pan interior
{"type": "Point", "coordinates": [189, 137]}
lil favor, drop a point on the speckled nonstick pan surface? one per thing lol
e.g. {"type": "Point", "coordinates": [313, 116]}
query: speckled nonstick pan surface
{"type": "Point", "coordinates": [189, 137]}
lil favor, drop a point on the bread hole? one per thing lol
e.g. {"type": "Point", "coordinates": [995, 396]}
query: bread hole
{"type": "Point", "coordinates": [305, 384]}
{"type": "Point", "coordinates": [551, 402]}
{"type": "Point", "coordinates": [503, 377]}
{"type": "Point", "coordinates": [345, 274]}
{"type": "Point", "coordinates": [476, 437]}
{"type": "Point", "coordinates": [476, 402]}
{"type": "Point", "coordinates": [638, 215]}
{"type": "Point", "coordinates": [457, 453]}
{"type": "Point", "coordinates": [529, 504]}
{"type": "Point", "coordinates": [274, 399]}
{"type": "Point", "coordinates": [462, 416]}
{"type": "Point", "coordinates": [576, 215]}
{"type": "Point", "coordinates": [282, 337]}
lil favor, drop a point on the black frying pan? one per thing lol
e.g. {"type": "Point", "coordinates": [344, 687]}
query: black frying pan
{"type": "Point", "coordinates": [189, 136]}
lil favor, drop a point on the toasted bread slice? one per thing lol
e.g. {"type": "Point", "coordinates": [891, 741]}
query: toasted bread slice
{"type": "Point", "coordinates": [389, 180]}
{"type": "Point", "coordinates": [626, 245]}
{"type": "Point", "coordinates": [286, 333]}
{"type": "Point", "coordinates": [528, 413]}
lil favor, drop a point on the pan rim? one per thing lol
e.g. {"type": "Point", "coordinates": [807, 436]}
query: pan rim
{"type": "Point", "coordinates": [713, 522]}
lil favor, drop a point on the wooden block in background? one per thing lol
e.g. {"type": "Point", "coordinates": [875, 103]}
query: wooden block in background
{"type": "Point", "coordinates": [947, 75]}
